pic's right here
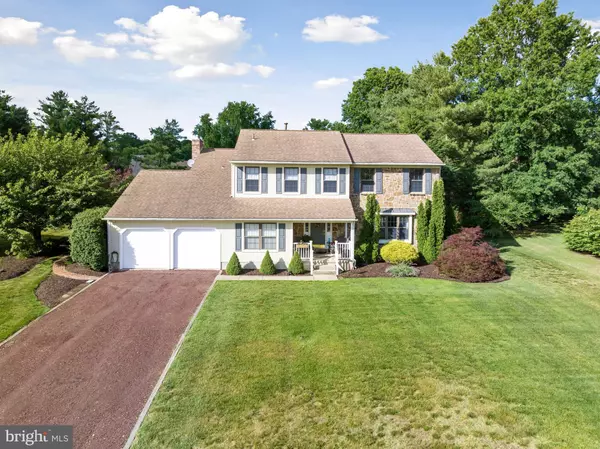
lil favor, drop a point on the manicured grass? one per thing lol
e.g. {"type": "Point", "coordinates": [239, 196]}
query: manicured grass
{"type": "Point", "coordinates": [393, 362]}
{"type": "Point", "coordinates": [18, 304]}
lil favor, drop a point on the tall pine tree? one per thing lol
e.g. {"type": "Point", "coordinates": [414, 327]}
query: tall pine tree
{"type": "Point", "coordinates": [423, 217]}
{"type": "Point", "coordinates": [437, 224]}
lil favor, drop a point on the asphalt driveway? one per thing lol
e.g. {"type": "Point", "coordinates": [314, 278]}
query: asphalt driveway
{"type": "Point", "coordinates": [93, 362]}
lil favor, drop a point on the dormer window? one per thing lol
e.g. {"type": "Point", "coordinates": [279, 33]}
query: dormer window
{"type": "Point", "coordinates": [290, 178]}
{"type": "Point", "coordinates": [252, 179]}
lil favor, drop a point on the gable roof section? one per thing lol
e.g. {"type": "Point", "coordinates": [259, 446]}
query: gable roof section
{"type": "Point", "coordinates": [390, 149]}
{"type": "Point", "coordinates": [205, 193]}
{"type": "Point", "coordinates": [291, 146]}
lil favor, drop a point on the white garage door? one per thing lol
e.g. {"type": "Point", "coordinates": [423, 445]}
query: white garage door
{"type": "Point", "coordinates": [146, 248]}
{"type": "Point", "coordinates": [197, 249]}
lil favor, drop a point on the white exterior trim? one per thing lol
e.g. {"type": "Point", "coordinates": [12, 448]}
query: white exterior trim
{"type": "Point", "coordinates": [239, 220]}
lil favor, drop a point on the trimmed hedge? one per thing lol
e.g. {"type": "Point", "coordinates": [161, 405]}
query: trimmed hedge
{"type": "Point", "coordinates": [583, 233]}
{"type": "Point", "coordinates": [466, 257]}
{"type": "Point", "coordinates": [397, 251]}
{"type": "Point", "coordinates": [296, 266]}
{"type": "Point", "coordinates": [88, 238]}
{"type": "Point", "coordinates": [267, 266]}
{"type": "Point", "coordinates": [234, 268]}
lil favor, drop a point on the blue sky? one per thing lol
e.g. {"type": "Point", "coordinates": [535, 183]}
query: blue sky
{"type": "Point", "coordinates": [181, 59]}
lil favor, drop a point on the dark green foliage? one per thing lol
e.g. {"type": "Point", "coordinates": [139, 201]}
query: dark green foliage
{"type": "Point", "coordinates": [267, 266]}
{"type": "Point", "coordinates": [370, 227]}
{"type": "Point", "coordinates": [13, 119]}
{"type": "Point", "coordinates": [423, 217]}
{"type": "Point", "coordinates": [224, 131]}
{"type": "Point", "coordinates": [167, 147]}
{"type": "Point", "coordinates": [296, 266]}
{"type": "Point", "coordinates": [315, 124]}
{"type": "Point", "coordinates": [88, 238]}
{"type": "Point", "coordinates": [305, 238]}
{"type": "Point", "coordinates": [437, 223]}
{"type": "Point", "coordinates": [582, 233]}
{"type": "Point", "coordinates": [234, 268]}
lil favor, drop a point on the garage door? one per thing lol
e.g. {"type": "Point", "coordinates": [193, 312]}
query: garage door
{"type": "Point", "coordinates": [197, 249]}
{"type": "Point", "coordinates": [146, 248]}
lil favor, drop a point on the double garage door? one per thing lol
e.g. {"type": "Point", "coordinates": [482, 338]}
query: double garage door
{"type": "Point", "coordinates": [158, 248]}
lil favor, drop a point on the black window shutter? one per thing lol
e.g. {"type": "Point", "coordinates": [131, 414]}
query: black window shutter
{"type": "Point", "coordinates": [264, 187]}
{"type": "Point", "coordinates": [281, 236]}
{"type": "Point", "coordinates": [238, 236]}
{"type": "Point", "coordinates": [378, 180]}
{"type": "Point", "coordinates": [342, 188]}
{"type": "Point", "coordinates": [317, 181]}
{"type": "Point", "coordinates": [240, 179]}
{"type": "Point", "coordinates": [357, 180]}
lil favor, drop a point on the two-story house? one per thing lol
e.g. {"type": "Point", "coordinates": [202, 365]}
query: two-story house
{"type": "Point", "coordinates": [271, 191]}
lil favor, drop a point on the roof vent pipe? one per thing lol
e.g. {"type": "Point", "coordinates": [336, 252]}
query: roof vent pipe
{"type": "Point", "coordinates": [285, 125]}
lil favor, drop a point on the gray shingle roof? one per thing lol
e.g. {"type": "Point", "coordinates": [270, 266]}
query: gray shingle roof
{"type": "Point", "coordinates": [390, 149]}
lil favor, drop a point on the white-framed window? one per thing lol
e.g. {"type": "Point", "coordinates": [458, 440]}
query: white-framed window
{"type": "Point", "coordinates": [367, 180]}
{"type": "Point", "coordinates": [395, 227]}
{"type": "Point", "coordinates": [258, 236]}
{"type": "Point", "coordinates": [252, 179]}
{"type": "Point", "coordinates": [291, 176]}
{"type": "Point", "coordinates": [327, 227]}
{"type": "Point", "coordinates": [415, 176]}
{"type": "Point", "coordinates": [306, 228]}
{"type": "Point", "coordinates": [330, 180]}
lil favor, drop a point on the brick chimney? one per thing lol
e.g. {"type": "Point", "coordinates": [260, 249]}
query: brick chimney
{"type": "Point", "coordinates": [197, 145]}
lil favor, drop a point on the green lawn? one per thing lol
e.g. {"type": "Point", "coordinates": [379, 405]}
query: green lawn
{"type": "Point", "coordinates": [393, 362]}
{"type": "Point", "coordinates": [18, 303]}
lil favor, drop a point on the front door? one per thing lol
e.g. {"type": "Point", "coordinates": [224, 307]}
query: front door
{"type": "Point", "coordinates": [317, 233]}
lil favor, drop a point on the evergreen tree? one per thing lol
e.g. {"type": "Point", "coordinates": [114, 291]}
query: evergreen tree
{"type": "Point", "coordinates": [267, 266]}
{"type": "Point", "coordinates": [423, 217]}
{"type": "Point", "coordinates": [368, 239]}
{"type": "Point", "coordinates": [437, 223]}
{"type": "Point", "coordinates": [234, 267]}
{"type": "Point", "coordinates": [14, 119]}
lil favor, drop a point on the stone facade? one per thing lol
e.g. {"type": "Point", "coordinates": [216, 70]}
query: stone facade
{"type": "Point", "coordinates": [392, 196]}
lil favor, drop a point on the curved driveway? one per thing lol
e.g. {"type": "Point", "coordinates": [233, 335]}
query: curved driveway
{"type": "Point", "coordinates": [93, 362]}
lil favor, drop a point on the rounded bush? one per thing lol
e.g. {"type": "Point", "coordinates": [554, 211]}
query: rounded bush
{"type": "Point", "coordinates": [234, 268]}
{"type": "Point", "coordinates": [267, 266]}
{"type": "Point", "coordinates": [403, 270]}
{"type": "Point", "coordinates": [466, 257]}
{"type": "Point", "coordinates": [397, 251]}
{"type": "Point", "coordinates": [296, 266]}
{"type": "Point", "coordinates": [583, 233]}
{"type": "Point", "coordinates": [88, 238]}
{"type": "Point", "coordinates": [23, 245]}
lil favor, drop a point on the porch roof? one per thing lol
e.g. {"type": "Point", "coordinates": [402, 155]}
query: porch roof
{"type": "Point", "coordinates": [398, 211]}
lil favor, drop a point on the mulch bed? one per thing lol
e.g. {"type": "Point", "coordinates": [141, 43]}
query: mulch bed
{"type": "Point", "coordinates": [51, 290]}
{"type": "Point", "coordinates": [82, 269]}
{"type": "Point", "coordinates": [11, 267]}
{"type": "Point", "coordinates": [378, 270]}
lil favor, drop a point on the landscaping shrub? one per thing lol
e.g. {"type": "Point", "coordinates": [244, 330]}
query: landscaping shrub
{"type": "Point", "coordinates": [23, 245]}
{"type": "Point", "coordinates": [305, 238]}
{"type": "Point", "coordinates": [403, 270]}
{"type": "Point", "coordinates": [466, 257]}
{"type": "Point", "coordinates": [423, 217]}
{"type": "Point", "coordinates": [397, 251]}
{"type": "Point", "coordinates": [583, 233]}
{"type": "Point", "coordinates": [234, 267]}
{"type": "Point", "coordinates": [88, 238]}
{"type": "Point", "coordinates": [267, 266]}
{"type": "Point", "coordinates": [367, 250]}
{"type": "Point", "coordinates": [296, 266]}
{"type": "Point", "coordinates": [437, 223]}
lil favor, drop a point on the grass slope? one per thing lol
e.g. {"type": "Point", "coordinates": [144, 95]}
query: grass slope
{"type": "Point", "coordinates": [393, 362]}
{"type": "Point", "coordinates": [18, 303]}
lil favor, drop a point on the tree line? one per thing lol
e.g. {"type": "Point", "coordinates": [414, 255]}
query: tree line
{"type": "Point", "coordinates": [513, 110]}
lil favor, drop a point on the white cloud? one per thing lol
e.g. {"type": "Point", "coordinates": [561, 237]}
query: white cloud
{"type": "Point", "coordinates": [78, 50]}
{"type": "Point", "coordinates": [594, 24]}
{"type": "Point", "coordinates": [264, 70]}
{"type": "Point", "coordinates": [17, 31]}
{"type": "Point", "coordinates": [139, 54]}
{"type": "Point", "coordinates": [115, 38]}
{"type": "Point", "coordinates": [48, 30]}
{"type": "Point", "coordinates": [335, 28]}
{"type": "Point", "coordinates": [199, 45]}
{"type": "Point", "coordinates": [128, 24]}
{"type": "Point", "coordinates": [330, 82]}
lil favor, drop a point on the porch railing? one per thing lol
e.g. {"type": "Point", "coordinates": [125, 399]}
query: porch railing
{"type": "Point", "coordinates": [344, 256]}
{"type": "Point", "coordinates": [305, 250]}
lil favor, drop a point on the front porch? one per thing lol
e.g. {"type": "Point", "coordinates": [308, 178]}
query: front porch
{"type": "Point", "coordinates": [325, 247]}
